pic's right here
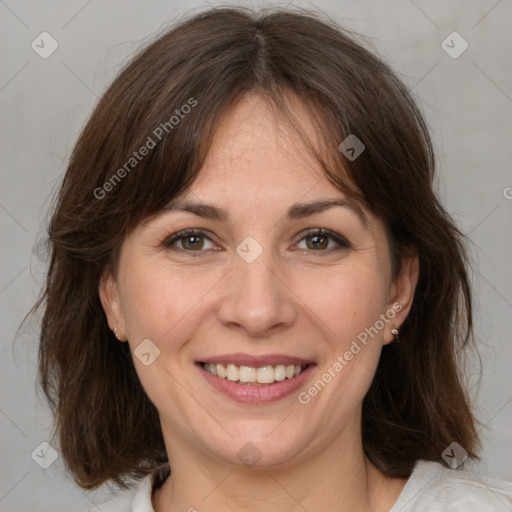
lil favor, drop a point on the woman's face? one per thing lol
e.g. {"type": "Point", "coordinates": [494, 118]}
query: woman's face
{"type": "Point", "coordinates": [258, 287]}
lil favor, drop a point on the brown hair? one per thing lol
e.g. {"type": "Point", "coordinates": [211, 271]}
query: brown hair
{"type": "Point", "coordinates": [417, 404]}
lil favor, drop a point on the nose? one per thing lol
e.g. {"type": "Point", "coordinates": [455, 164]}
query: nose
{"type": "Point", "coordinates": [257, 299]}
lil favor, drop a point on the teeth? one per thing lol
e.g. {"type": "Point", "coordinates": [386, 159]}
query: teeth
{"type": "Point", "coordinates": [265, 375]}
{"type": "Point", "coordinates": [280, 372]}
{"type": "Point", "coordinates": [248, 375]}
{"type": "Point", "coordinates": [221, 370]}
{"type": "Point", "coordinates": [232, 372]}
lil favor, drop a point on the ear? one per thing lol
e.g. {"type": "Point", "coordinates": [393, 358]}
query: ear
{"type": "Point", "coordinates": [402, 294]}
{"type": "Point", "coordinates": [109, 297]}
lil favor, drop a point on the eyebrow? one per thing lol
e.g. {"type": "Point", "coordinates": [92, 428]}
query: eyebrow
{"type": "Point", "coordinates": [296, 211]}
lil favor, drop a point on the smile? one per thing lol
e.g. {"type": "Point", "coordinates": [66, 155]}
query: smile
{"type": "Point", "coordinates": [248, 375]}
{"type": "Point", "coordinates": [260, 384]}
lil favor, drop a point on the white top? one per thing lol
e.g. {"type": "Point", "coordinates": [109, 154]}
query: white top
{"type": "Point", "coordinates": [430, 488]}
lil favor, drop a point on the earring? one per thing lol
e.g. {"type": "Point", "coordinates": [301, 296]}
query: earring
{"type": "Point", "coordinates": [394, 346]}
{"type": "Point", "coordinates": [116, 335]}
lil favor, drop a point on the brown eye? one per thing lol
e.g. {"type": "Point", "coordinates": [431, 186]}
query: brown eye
{"type": "Point", "coordinates": [317, 241]}
{"type": "Point", "coordinates": [322, 240]}
{"type": "Point", "coordinates": [190, 240]}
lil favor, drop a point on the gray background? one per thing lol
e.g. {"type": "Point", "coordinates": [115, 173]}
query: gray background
{"type": "Point", "coordinates": [44, 102]}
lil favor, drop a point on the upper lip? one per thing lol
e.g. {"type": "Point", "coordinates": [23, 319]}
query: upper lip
{"type": "Point", "coordinates": [255, 361]}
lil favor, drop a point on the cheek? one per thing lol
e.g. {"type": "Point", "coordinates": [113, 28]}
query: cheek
{"type": "Point", "coordinates": [162, 305]}
{"type": "Point", "coordinates": [159, 302]}
{"type": "Point", "coordinates": [346, 301]}
{"type": "Point", "coordinates": [348, 305]}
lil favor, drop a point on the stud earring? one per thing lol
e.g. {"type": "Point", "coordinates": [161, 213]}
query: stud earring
{"type": "Point", "coordinates": [116, 335]}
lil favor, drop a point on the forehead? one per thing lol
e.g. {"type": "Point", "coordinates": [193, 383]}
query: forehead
{"type": "Point", "coordinates": [256, 153]}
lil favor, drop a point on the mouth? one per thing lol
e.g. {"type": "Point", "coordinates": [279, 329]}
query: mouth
{"type": "Point", "coordinates": [254, 380]}
{"type": "Point", "coordinates": [253, 376]}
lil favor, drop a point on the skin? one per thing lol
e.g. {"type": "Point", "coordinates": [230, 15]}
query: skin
{"type": "Point", "coordinates": [295, 299]}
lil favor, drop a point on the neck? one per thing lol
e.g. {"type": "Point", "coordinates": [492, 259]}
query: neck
{"type": "Point", "coordinates": [339, 478]}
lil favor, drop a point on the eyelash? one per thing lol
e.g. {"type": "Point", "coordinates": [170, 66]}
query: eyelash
{"type": "Point", "coordinates": [341, 241]}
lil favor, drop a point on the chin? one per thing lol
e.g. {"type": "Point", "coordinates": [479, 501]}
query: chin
{"type": "Point", "coordinates": [256, 448]}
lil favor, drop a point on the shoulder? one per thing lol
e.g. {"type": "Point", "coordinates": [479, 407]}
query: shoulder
{"type": "Point", "coordinates": [434, 488]}
{"type": "Point", "coordinates": [137, 499]}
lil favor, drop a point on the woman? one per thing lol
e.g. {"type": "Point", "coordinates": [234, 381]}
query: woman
{"type": "Point", "coordinates": [255, 300]}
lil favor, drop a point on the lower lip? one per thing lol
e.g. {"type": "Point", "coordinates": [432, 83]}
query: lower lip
{"type": "Point", "coordinates": [247, 394]}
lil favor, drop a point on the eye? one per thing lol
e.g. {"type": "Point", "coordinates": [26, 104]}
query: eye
{"type": "Point", "coordinates": [323, 240]}
{"type": "Point", "coordinates": [196, 240]}
{"type": "Point", "coordinates": [192, 240]}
